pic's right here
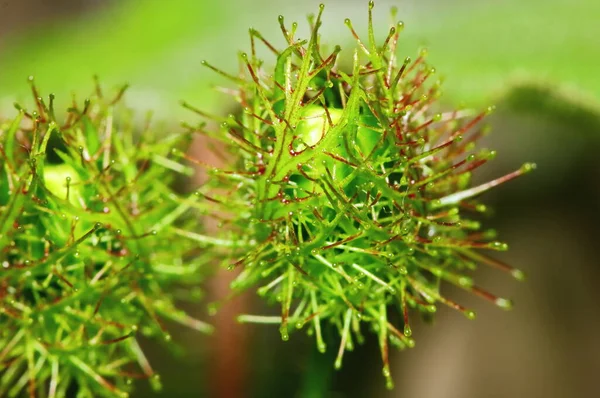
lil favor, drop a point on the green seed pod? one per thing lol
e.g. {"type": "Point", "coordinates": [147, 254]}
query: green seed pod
{"type": "Point", "coordinates": [90, 249]}
{"type": "Point", "coordinates": [350, 198]}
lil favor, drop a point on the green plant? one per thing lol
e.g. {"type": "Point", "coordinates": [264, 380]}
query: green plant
{"type": "Point", "coordinates": [90, 249]}
{"type": "Point", "coordinates": [349, 199]}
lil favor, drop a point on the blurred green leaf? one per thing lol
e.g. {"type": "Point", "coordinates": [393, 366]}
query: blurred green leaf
{"type": "Point", "coordinates": [478, 45]}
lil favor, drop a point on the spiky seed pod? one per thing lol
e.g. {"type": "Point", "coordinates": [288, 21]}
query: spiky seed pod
{"type": "Point", "coordinates": [350, 199]}
{"type": "Point", "coordinates": [90, 249]}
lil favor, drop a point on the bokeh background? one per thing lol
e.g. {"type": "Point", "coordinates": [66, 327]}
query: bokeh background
{"type": "Point", "coordinates": [536, 60]}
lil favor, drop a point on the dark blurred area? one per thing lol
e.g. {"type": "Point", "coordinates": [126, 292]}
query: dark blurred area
{"type": "Point", "coordinates": [547, 346]}
{"type": "Point", "coordinates": [18, 15]}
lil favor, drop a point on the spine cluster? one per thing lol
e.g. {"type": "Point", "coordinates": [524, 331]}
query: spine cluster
{"type": "Point", "coordinates": [90, 250]}
{"type": "Point", "coordinates": [350, 201]}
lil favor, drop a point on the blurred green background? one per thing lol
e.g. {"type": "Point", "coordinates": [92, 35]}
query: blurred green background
{"type": "Point", "coordinates": [536, 60]}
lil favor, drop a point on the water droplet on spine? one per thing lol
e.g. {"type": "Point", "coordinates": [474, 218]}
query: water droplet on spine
{"type": "Point", "coordinates": [501, 246]}
{"type": "Point", "coordinates": [386, 371]}
{"type": "Point", "coordinates": [518, 274]}
{"type": "Point", "coordinates": [465, 281]}
{"type": "Point", "coordinates": [284, 333]}
{"type": "Point", "coordinates": [212, 309]}
{"type": "Point", "coordinates": [504, 303]}
{"type": "Point", "coordinates": [321, 347]}
{"type": "Point", "coordinates": [527, 167]}
{"type": "Point", "coordinates": [338, 363]}
{"type": "Point", "coordinates": [156, 382]}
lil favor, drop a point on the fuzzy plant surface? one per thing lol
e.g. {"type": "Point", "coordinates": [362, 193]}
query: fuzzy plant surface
{"type": "Point", "coordinates": [91, 257]}
{"type": "Point", "coordinates": [350, 201]}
